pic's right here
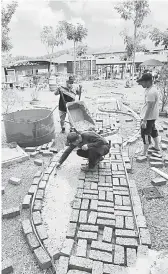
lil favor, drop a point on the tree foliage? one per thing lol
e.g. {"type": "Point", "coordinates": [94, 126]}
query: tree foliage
{"type": "Point", "coordinates": [52, 38]}
{"type": "Point", "coordinates": [81, 49]}
{"type": "Point", "coordinates": [163, 86]}
{"type": "Point", "coordinates": [6, 16]}
{"type": "Point", "coordinates": [159, 37]}
{"type": "Point", "coordinates": [74, 32]}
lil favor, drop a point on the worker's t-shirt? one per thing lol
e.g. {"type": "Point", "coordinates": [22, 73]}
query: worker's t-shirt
{"type": "Point", "coordinates": [151, 95]}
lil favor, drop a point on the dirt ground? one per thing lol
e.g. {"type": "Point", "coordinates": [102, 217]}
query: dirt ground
{"type": "Point", "coordinates": [156, 211]}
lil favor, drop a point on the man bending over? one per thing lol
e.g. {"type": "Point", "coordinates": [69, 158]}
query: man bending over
{"type": "Point", "coordinates": [90, 145]}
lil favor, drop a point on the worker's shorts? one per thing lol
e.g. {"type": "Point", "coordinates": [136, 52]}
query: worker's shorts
{"type": "Point", "coordinates": [62, 115]}
{"type": "Point", "coordinates": [149, 131]}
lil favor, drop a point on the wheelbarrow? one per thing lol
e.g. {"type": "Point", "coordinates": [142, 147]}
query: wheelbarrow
{"type": "Point", "coordinates": [79, 116]}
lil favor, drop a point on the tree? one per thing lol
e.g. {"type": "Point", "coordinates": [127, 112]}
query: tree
{"type": "Point", "coordinates": [163, 86]}
{"type": "Point", "coordinates": [76, 33]}
{"type": "Point", "coordinates": [135, 11]}
{"type": "Point", "coordinates": [159, 37]}
{"type": "Point", "coordinates": [52, 38]}
{"type": "Point", "coordinates": [6, 16]}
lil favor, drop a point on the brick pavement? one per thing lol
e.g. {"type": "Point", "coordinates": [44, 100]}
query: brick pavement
{"type": "Point", "coordinates": [107, 223]}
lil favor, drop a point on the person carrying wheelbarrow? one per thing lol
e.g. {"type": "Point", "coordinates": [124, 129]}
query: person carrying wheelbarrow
{"type": "Point", "coordinates": [67, 94]}
{"type": "Point", "coordinates": [90, 145]}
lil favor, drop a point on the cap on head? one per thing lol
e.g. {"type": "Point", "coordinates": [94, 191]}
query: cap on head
{"type": "Point", "coordinates": [145, 78]}
{"type": "Point", "coordinates": [72, 137]}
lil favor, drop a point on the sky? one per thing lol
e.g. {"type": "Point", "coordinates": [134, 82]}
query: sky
{"type": "Point", "coordinates": [99, 17]}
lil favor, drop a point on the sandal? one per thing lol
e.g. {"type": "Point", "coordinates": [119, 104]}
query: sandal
{"type": "Point", "coordinates": [155, 149]}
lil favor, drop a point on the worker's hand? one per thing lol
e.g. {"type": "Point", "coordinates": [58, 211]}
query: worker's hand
{"type": "Point", "coordinates": [143, 124]}
{"type": "Point", "coordinates": [85, 147]}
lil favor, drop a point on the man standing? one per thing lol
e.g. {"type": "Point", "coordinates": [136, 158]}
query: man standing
{"type": "Point", "coordinates": [67, 94]}
{"type": "Point", "coordinates": [91, 145]}
{"type": "Point", "coordinates": [149, 113]}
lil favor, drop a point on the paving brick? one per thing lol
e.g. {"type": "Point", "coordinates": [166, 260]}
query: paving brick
{"type": "Point", "coordinates": [114, 166]}
{"type": "Point", "coordinates": [81, 248]}
{"type": "Point", "coordinates": [93, 185]}
{"type": "Point", "coordinates": [74, 271]}
{"type": "Point", "coordinates": [145, 237]}
{"type": "Point", "coordinates": [36, 181]}
{"type": "Point", "coordinates": [102, 179]}
{"type": "Point", "coordinates": [108, 179]}
{"type": "Point", "coordinates": [87, 235]}
{"type": "Point", "coordinates": [107, 234]}
{"type": "Point", "coordinates": [155, 159]}
{"type": "Point", "coordinates": [119, 222]}
{"type": "Point", "coordinates": [42, 258]}
{"type": "Point", "coordinates": [52, 249]}
{"type": "Point", "coordinates": [102, 223]}
{"type": "Point", "coordinates": [42, 185]}
{"type": "Point", "coordinates": [141, 221]}
{"type": "Point", "coordinates": [118, 200]}
{"type": "Point", "coordinates": [97, 245]}
{"type": "Point", "coordinates": [52, 164]}
{"type": "Point", "coordinates": [6, 267]}
{"type": "Point", "coordinates": [156, 164]}
{"type": "Point", "coordinates": [131, 257]}
{"type": "Point", "coordinates": [30, 149]}
{"type": "Point", "coordinates": [32, 241]}
{"type": "Point", "coordinates": [118, 172]}
{"type": "Point", "coordinates": [38, 162]}
{"type": "Point", "coordinates": [121, 192]}
{"type": "Point", "coordinates": [83, 217]}
{"type": "Point", "coordinates": [94, 205]}
{"type": "Point", "coordinates": [105, 204]}
{"type": "Point", "coordinates": [105, 188]}
{"type": "Point", "coordinates": [106, 209]}
{"type": "Point", "coordinates": [34, 154]}
{"type": "Point", "coordinates": [126, 201]}
{"type": "Point", "coordinates": [92, 217]}
{"type": "Point", "coordinates": [109, 196]}
{"type": "Point", "coordinates": [48, 170]}
{"type": "Point", "coordinates": [15, 181]}
{"type": "Point", "coordinates": [11, 212]}
{"type": "Point", "coordinates": [100, 256]}
{"type": "Point", "coordinates": [123, 182]}
{"type": "Point", "coordinates": [79, 193]}
{"type": "Point", "coordinates": [26, 227]}
{"type": "Point", "coordinates": [160, 181]}
{"type": "Point", "coordinates": [82, 175]}
{"type": "Point", "coordinates": [74, 216]}
{"type": "Point", "coordinates": [45, 177]}
{"type": "Point", "coordinates": [129, 223]}
{"type": "Point", "coordinates": [102, 195]}
{"type": "Point", "coordinates": [115, 269]}
{"type": "Point", "coordinates": [32, 189]}
{"type": "Point", "coordinates": [42, 233]}
{"type": "Point", "coordinates": [119, 255]}
{"type": "Point", "coordinates": [67, 247]}
{"type": "Point", "coordinates": [121, 207]}
{"type": "Point", "coordinates": [90, 191]}
{"type": "Point", "coordinates": [37, 205]}
{"type": "Point", "coordinates": [103, 215]}
{"type": "Point", "coordinates": [163, 147]}
{"type": "Point", "coordinates": [71, 231]}
{"type": "Point", "coordinates": [27, 201]}
{"type": "Point", "coordinates": [97, 267]}
{"type": "Point", "coordinates": [123, 213]}
{"type": "Point", "coordinates": [77, 203]}
{"type": "Point", "coordinates": [37, 218]}
{"type": "Point", "coordinates": [126, 233]}
{"type": "Point", "coordinates": [165, 141]}
{"type": "Point", "coordinates": [79, 263]}
{"type": "Point", "coordinates": [91, 228]}
{"type": "Point", "coordinates": [141, 159]}
{"type": "Point", "coordinates": [47, 153]}
{"type": "Point", "coordinates": [87, 185]}
{"type": "Point", "coordinates": [40, 194]}
{"type": "Point", "coordinates": [120, 188]}
{"type": "Point", "coordinates": [128, 242]}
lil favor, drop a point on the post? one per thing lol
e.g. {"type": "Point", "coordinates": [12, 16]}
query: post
{"type": "Point", "coordinates": [74, 70]}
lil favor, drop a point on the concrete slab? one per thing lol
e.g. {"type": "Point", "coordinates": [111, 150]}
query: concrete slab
{"type": "Point", "coordinates": [13, 155]}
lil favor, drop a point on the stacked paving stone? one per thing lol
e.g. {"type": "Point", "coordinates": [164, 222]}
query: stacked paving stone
{"type": "Point", "coordinates": [46, 150]}
{"type": "Point", "coordinates": [105, 231]}
{"type": "Point", "coordinates": [105, 124]}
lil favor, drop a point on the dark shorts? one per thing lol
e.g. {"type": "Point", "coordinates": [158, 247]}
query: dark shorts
{"type": "Point", "coordinates": [149, 131]}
